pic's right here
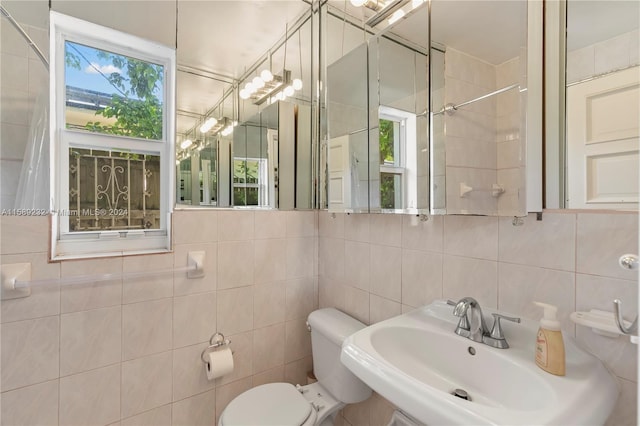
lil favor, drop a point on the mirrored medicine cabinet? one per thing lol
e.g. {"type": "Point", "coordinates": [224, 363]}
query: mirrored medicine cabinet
{"type": "Point", "coordinates": [431, 113]}
{"type": "Point", "coordinates": [382, 119]}
{"type": "Point", "coordinates": [592, 104]}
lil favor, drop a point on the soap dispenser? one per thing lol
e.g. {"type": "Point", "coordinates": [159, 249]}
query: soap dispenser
{"type": "Point", "coordinates": [549, 344]}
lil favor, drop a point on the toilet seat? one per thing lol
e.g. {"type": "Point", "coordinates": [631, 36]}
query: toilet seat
{"type": "Point", "coordinates": [278, 404]}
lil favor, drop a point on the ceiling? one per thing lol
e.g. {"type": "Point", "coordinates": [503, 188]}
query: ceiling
{"type": "Point", "coordinates": [493, 31]}
{"type": "Point", "coordinates": [589, 22]}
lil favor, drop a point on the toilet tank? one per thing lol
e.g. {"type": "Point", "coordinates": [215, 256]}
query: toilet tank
{"type": "Point", "coordinates": [329, 328]}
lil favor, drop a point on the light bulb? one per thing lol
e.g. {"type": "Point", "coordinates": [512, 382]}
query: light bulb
{"type": "Point", "coordinates": [280, 96]}
{"type": "Point", "coordinates": [297, 84]}
{"type": "Point", "coordinates": [358, 3]}
{"type": "Point", "coordinates": [266, 75]}
{"type": "Point", "coordinates": [186, 143]}
{"type": "Point", "coordinates": [235, 123]}
{"type": "Point", "coordinates": [250, 87]}
{"type": "Point", "coordinates": [257, 82]}
{"type": "Point", "coordinates": [207, 125]}
{"type": "Point", "coordinates": [288, 91]}
{"type": "Point", "coordinates": [244, 93]}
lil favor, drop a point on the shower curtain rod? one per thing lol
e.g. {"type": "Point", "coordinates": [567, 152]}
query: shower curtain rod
{"type": "Point", "coordinates": [24, 35]}
{"type": "Point", "coordinates": [450, 108]}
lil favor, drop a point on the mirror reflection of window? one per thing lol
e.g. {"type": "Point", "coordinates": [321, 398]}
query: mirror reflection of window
{"type": "Point", "coordinates": [391, 164]}
{"type": "Point", "coordinates": [250, 182]}
{"type": "Point", "coordinates": [398, 158]}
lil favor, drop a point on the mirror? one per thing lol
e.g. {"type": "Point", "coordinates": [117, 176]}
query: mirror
{"type": "Point", "coordinates": [377, 120]}
{"type": "Point", "coordinates": [469, 77]}
{"type": "Point", "coordinates": [398, 105]}
{"type": "Point", "coordinates": [257, 164]}
{"type": "Point", "coordinates": [239, 144]}
{"type": "Point", "coordinates": [479, 113]}
{"type": "Point", "coordinates": [348, 149]}
{"type": "Point", "coordinates": [602, 106]}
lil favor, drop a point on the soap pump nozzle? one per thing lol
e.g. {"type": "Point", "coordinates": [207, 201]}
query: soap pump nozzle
{"type": "Point", "coordinates": [550, 320]}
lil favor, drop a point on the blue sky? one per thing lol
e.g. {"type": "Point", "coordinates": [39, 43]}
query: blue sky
{"type": "Point", "coordinates": [87, 77]}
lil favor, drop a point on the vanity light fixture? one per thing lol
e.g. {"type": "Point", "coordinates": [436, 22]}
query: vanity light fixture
{"type": "Point", "coordinates": [262, 85]}
{"type": "Point", "coordinates": [278, 88]}
{"type": "Point", "coordinates": [388, 10]}
{"type": "Point", "coordinates": [397, 15]}
{"type": "Point", "coordinates": [266, 75]}
{"type": "Point", "coordinates": [375, 5]}
{"type": "Point", "coordinates": [208, 124]}
{"type": "Point", "coordinates": [186, 143]}
{"type": "Point", "coordinates": [224, 126]}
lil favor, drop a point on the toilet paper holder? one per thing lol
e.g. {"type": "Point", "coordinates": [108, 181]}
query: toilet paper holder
{"type": "Point", "coordinates": [216, 341]}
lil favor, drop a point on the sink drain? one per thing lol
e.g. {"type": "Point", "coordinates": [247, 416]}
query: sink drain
{"type": "Point", "coordinates": [461, 393]}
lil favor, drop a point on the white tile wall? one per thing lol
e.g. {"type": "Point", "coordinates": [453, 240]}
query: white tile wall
{"type": "Point", "coordinates": [128, 351]}
{"type": "Point", "coordinates": [568, 259]}
{"type": "Point", "coordinates": [482, 143]}
{"type": "Point", "coordinates": [608, 55]}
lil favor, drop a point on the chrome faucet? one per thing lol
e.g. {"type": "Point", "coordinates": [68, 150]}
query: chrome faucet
{"type": "Point", "coordinates": [471, 322]}
{"type": "Point", "coordinates": [473, 326]}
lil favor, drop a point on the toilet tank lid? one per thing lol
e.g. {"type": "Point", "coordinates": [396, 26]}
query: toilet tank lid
{"type": "Point", "coordinates": [333, 324]}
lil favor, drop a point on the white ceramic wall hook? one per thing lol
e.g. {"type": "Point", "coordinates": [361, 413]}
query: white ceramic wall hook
{"type": "Point", "coordinates": [12, 273]}
{"type": "Point", "coordinates": [195, 262]}
{"type": "Point", "coordinates": [465, 189]}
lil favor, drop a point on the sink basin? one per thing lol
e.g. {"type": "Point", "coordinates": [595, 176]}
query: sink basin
{"type": "Point", "coordinates": [417, 362]}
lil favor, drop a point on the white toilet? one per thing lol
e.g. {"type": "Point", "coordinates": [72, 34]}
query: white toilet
{"type": "Point", "coordinates": [282, 404]}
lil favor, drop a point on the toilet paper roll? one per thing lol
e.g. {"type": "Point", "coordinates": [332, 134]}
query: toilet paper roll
{"type": "Point", "coordinates": [220, 363]}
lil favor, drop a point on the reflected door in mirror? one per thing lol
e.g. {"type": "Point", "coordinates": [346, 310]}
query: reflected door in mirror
{"type": "Point", "coordinates": [603, 127]}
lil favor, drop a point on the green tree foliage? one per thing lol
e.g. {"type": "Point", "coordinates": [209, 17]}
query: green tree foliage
{"type": "Point", "coordinates": [245, 171]}
{"type": "Point", "coordinates": [135, 108]}
{"type": "Point", "coordinates": [387, 188]}
{"type": "Point", "coordinates": [386, 141]}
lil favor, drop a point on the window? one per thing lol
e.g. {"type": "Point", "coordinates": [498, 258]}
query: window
{"type": "Point", "coordinates": [391, 163]}
{"type": "Point", "coordinates": [249, 182]}
{"type": "Point", "coordinates": [397, 158]}
{"type": "Point", "coordinates": [112, 138]}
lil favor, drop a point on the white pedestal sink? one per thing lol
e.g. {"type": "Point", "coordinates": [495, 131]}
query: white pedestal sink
{"type": "Point", "coordinates": [416, 361]}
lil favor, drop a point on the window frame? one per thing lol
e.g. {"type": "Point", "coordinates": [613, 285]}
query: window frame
{"type": "Point", "coordinates": [84, 244]}
{"type": "Point", "coordinates": [399, 157]}
{"type": "Point", "coordinates": [263, 191]}
{"type": "Point", "coordinates": [404, 155]}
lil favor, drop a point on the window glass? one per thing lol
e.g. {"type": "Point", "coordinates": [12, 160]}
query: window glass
{"type": "Point", "coordinates": [246, 191]}
{"type": "Point", "coordinates": [391, 164]}
{"type": "Point", "coordinates": [113, 190]}
{"type": "Point", "coordinates": [387, 141]}
{"type": "Point", "coordinates": [112, 94]}
{"type": "Point", "coordinates": [390, 190]}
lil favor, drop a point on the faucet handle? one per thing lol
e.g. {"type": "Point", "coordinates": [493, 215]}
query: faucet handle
{"type": "Point", "coordinates": [496, 330]}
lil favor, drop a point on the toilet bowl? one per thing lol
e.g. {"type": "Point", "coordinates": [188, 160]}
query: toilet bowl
{"type": "Point", "coordinates": [283, 404]}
